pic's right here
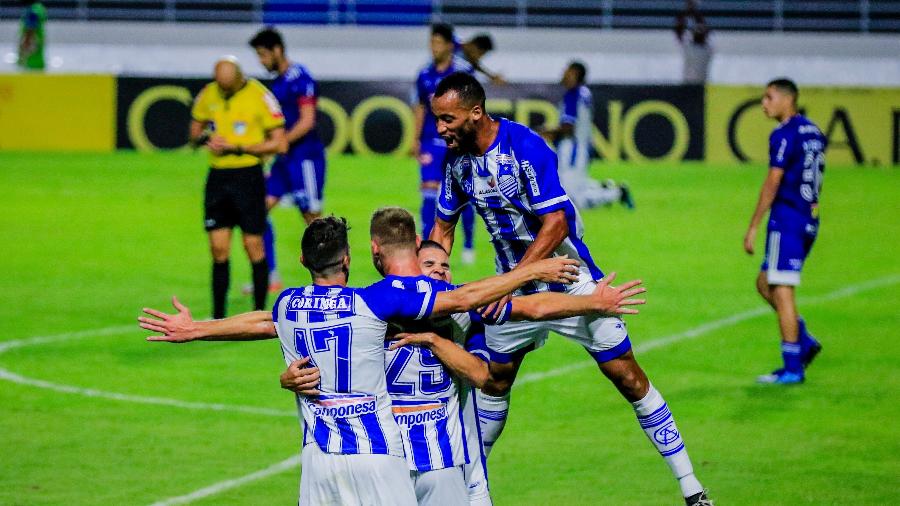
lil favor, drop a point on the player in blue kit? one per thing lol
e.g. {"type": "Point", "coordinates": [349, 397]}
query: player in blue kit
{"type": "Point", "coordinates": [791, 194]}
{"type": "Point", "coordinates": [301, 172]}
{"type": "Point", "coordinates": [428, 147]}
{"type": "Point", "coordinates": [509, 174]}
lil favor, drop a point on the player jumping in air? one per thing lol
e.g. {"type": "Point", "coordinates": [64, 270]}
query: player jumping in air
{"type": "Point", "coordinates": [791, 190]}
{"type": "Point", "coordinates": [510, 175]}
{"type": "Point", "coordinates": [299, 173]}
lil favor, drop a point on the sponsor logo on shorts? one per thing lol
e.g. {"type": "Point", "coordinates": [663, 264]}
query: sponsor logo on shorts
{"type": "Point", "coordinates": [320, 303]}
{"type": "Point", "coordinates": [342, 405]}
{"type": "Point", "coordinates": [419, 414]}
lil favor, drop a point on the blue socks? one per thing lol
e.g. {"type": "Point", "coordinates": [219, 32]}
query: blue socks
{"type": "Point", "coordinates": [429, 209]}
{"type": "Point", "coordinates": [792, 353]}
{"type": "Point", "coordinates": [269, 244]}
{"type": "Point", "coordinates": [468, 222]}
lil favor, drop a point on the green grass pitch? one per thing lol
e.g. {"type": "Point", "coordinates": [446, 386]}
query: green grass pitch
{"type": "Point", "coordinates": [90, 239]}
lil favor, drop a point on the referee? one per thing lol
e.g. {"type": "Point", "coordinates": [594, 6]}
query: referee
{"type": "Point", "coordinates": [240, 122]}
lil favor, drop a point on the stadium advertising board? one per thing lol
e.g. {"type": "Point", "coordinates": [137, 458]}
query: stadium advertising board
{"type": "Point", "coordinates": [632, 122]}
{"type": "Point", "coordinates": [862, 124]}
{"type": "Point", "coordinates": [57, 112]}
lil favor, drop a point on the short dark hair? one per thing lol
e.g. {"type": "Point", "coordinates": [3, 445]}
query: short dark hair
{"type": "Point", "coordinates": [467, 88]}
{"type": "Point", "coordinates": [429, 244]}
{"type": "Point", "coordinates": [579, 69]}
{"type": "Point", "coordinates": [324, 245]}
{"type": "Point", "coordinates": [393, 226]}
{"type": "Point", "coordinates": [483, 42]}
{"type": "Point", "coordinates": [267, 38]}
{"type": "Point", "coordinates": [443, 30]}
{"type": "Point", "coordinates": [785, 86]}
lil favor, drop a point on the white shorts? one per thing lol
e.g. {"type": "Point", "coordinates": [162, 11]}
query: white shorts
{"type": "Point", "coordinates": [604, 337]}
{"type": "Point", "coordinates": [357, 480]}
{"type": "Point", "coordinates": [441, 487]}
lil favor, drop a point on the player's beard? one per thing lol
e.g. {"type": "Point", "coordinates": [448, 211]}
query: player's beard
{"type": "Point", "coordinates": [466, 137]}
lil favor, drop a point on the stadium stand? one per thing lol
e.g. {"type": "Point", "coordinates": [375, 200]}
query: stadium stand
{"type": "Point", "coordinates": [775, 15]}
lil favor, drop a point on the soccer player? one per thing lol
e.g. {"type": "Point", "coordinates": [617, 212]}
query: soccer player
{"type": "Point", "coordinates": [791, 190]}
{"type": "Point", "coordinates": [473, 50]}
{"type": "Point", "coordinates": [573, 143]}
{"type": "Point", "coordinates": [31, 36]}
{"type": "Point", "coordinates": [428, 147]}
{"type": "Point", "coordinates": [300, 172]}
{"type": "Point", "coordinates": [510, 174]}
{"type": "Point", "coordinates": [245, 124]}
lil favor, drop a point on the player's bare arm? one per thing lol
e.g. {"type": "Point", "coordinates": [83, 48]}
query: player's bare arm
{"type": "Point", "coordinates": [460, 362]}
{"type": "Point", "coordinates": [554, 230]}
{"type": "Point", "coordinates": [182, 328]}
{"type": "Point", "coordinates": [471, 295]}
{"type": "Point", "coordinates": [304, 125]}
{"type": "Point", "coordinates": [443, 233]}
{"type": "Point", "coordinates": [766, 197]}
{"type": "Point", "coordinates": [301, 379]}
{"type": "Point", "coordinates": [606, 300]}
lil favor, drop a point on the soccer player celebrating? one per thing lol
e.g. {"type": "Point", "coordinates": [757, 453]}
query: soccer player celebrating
{"type": "Point", "coordinates": [429, 148]}
{"type": "Point", "coordinates": [246, 125]}
{"type": "Point", "coordinates": [509, 174]}
{"type": "Point", "coordinates": [301, 171]}
{"type": "Point", "coordinates": [573, 144]}
{"type": "Point", "coordinates": [791, 191]}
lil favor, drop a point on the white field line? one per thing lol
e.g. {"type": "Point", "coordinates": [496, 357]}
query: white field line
{"type": "Point", "coordinates": [216, 488]}
{"type": "Point", "coordinates": [294, 461]}
{"type": "Point", "coordinates": [714, 325]}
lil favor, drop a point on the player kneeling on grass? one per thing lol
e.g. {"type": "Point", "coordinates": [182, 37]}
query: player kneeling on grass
{"type": "Point", "coordinates": [791, 190]}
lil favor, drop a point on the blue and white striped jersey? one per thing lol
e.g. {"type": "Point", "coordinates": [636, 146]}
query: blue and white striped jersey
{"type": "Point", "coordinates": [576, 109]}
{"type": "Point", "coordinates": [511, 186]}
{"type": "Point", "coordinates": [342, 330]}
{"type": "Point", "coordinates": [426, 397]}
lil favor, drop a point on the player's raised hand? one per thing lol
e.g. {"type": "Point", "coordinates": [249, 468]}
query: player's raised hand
{"type": "Point", "coordinates": [613, 300]}
{"type": "Point", "coordinates": [492, 311]}
{"type": "Point", "coordinates": [418, 339]}
{"type": "Point", "coordinates": [301, 379]}
{"type": "Point", "coordinates": [561, 269]}
{"type": "Point", "coordinates": [175, 328]}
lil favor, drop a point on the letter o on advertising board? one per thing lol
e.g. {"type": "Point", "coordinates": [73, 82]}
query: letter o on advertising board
{"type": "Point", "coordinates": [367, 107]}
{"type": "Point", "coordinates": [671, 114]}
{"type": "Point", "coordinates": [339, 120]}
{"type": "Point", "coordinates": [138, 110]}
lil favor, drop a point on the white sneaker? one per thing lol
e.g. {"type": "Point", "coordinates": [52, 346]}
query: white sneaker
{"type": "Point", "coordinates": [468, 256]}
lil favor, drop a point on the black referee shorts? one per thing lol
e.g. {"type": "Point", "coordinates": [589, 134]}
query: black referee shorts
{"type": "Point", "coordinates": [236, 197]}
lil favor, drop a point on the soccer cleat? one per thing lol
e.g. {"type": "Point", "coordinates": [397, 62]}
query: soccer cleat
{"type": "Point", "coordinates": [780, 377]}
{"type": "Point", "coordinates": [810, 354]}
{"type": "Point", "coordinates": [626, 199]}
{"type": "Point", "coordinates": [698, 499]}
{"type": "Point", "coordinates": [468, 256]}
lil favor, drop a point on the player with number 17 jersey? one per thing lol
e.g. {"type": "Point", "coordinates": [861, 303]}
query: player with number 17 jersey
{"type": "Point", "coordinates": [342, 331]}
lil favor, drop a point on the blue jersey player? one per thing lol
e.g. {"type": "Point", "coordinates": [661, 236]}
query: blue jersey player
{"type": "Point", "coordinates": [428, 147]}
{"type": "Point", "coordinates": [510, 175]}
{"type": "Point", "coordinates": [791, 195]}
{"type": "Point", "coordinates": [300, 173]}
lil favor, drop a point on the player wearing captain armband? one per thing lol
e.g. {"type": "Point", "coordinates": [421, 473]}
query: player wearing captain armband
{"type": "Point", "coordinates": [791, 190]}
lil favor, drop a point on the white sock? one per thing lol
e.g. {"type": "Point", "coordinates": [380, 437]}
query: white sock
{"type": "Point", "coordinates": [492, 413]}
{"type": "Point", "coordinates": [655, 418]}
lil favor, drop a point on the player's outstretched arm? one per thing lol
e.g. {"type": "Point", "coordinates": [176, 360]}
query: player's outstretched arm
{"type": "Point", "coordinates": [606, 300]}
{"type": "Point", "coordinates": [766, 197]}
{"type": "Point", "coordinates": [560, 269]}
{"type": "Point", "coordinates": [459, 361]}
{"type": "Point", "coordinates": [182, 328]}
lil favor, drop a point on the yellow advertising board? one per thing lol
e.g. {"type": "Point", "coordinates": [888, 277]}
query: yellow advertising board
{"type": "Point", "coordinates": [57, 112]}
{"type": "Point", "coordinates": [862, 124]}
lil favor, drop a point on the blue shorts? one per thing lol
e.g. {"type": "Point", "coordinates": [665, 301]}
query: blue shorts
{"type": "Point", "coordinates": [302, 177]}
{"type": "Point", "coordinates": [431, 161]}
{"type": "Point", "coordinates": [787, 246]}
